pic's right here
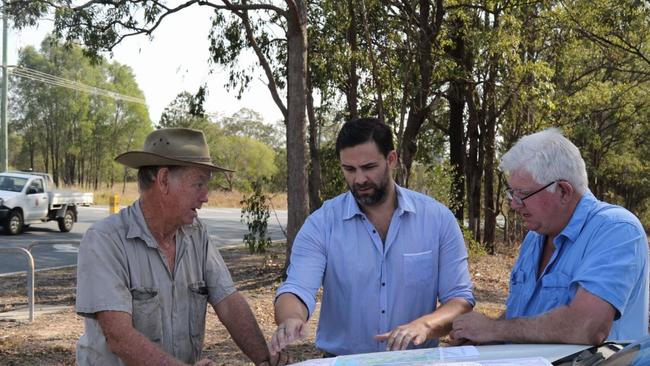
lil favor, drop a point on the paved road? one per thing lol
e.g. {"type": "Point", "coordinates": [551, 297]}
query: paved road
{"type": "Point", "coordinates": [223, 224]}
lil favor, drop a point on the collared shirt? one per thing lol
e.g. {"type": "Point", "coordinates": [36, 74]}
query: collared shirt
{"type": "Point", "coordinates": [604, 250]}
{"type": "Point", "coordinates": [370, 287]}
{"type": "Point", "coordinates": [121, 268]}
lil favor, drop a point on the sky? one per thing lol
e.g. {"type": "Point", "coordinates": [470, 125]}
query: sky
{"type": "Point", "coordinates": [175, 60]}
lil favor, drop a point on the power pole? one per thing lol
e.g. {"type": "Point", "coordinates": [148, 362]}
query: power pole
{"type": "Point", "coordinates": [4, 139]}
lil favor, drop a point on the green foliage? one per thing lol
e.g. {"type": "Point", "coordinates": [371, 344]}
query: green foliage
{"type": "Point", "coordinates": [69, 133]}
{"type": "Point", "coordinates": [249, 123]}
{"type": "Point", "coordinates": [474, 248]}
{"type": "Point", "coordinates": [433, 179]}
{"type": "Point", "coordinates": [251, 160]}
{"type": "Point", "coordinates": [523, 66]}
{"type": "Point", "coordinates": [185, 111]}
{"type": "Point", "coordinates": [278, 182]}
{"type": "Point", "coordinates": [255, 214]}
{"type": "Point", "coordinates": [333, 182]}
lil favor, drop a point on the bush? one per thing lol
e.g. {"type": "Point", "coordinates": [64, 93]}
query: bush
{"type": "Point", "coordinates": [255, 213]}
{"type": "Point", "coordinates": [474, 248]}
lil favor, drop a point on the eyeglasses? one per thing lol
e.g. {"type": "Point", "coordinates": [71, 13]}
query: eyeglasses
{"type": "Point", "coordinates": [510, 194]}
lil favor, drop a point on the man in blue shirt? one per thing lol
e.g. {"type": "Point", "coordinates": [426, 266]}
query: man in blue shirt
{"type": "Point", "coordinates": [582, 272]}
{"type": "Point", "coordinates": [384, 255]}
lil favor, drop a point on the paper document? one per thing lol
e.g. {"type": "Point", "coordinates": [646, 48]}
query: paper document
{"type": "Point", "coordinates": [457, 353]}
{"type": "Point", "coordinates": [418, 357]}
{"type": "Point", "coordinates": [533, 361]}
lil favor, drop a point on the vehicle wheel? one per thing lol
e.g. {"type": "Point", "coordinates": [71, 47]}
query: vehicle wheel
{"type": "Point", "coordinates": [14, 223]}
{"type": "Point", "coordinates": [67, 221]}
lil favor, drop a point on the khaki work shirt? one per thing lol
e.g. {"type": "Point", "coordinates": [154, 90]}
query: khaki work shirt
{"type": "Point", "coordinates": [121, 268]}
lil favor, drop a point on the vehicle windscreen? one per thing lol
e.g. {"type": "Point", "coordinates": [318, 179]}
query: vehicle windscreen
{"type": "Point", "coordinates": [12, 184]}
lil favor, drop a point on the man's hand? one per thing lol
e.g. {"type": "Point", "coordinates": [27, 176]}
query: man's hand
{"type": "Point", "coordinates": [291, 330]}
{"type": "Point", "coordinates": [279, 359]}
{"type": "Point", "coordinates": [472, 328]}
{"type": "Point", "coordinates": [400, 337]}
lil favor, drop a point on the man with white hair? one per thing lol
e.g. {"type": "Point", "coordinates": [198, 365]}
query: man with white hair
{"type": "Point", "coordinates": [582, 272]}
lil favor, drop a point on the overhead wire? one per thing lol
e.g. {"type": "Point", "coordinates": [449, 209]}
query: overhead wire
{"type": "Point", "coordinates": [70, 84]}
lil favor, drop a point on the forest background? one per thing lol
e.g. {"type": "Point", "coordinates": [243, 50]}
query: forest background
{"type": "Point", "coordinates": [459, 82]}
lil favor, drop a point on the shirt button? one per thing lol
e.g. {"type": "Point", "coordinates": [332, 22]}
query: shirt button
{"type": "Point", "coordinates": [374, 231]}
{"type": "Point", "coordinates": [383, 311]}
{"type": "Point", "coordinates": [383, 283]}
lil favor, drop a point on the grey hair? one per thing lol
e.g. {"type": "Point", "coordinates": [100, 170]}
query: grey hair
{"type": "Point", "coordinates": [548, 156]}
{"type": "Point", "coordinates": [147, 175]}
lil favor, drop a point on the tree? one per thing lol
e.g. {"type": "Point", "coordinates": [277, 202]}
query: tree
{"type": "Point", "coordinates": [70, 133]}
{"type": "Point", "coordinates": [460, 83]}
{"type": "Point", "coordinates": [249, 123]}
{"type": "Point", "coordinates": [182, 112]}
{"type": "Point", "coordinates": [101, 25]}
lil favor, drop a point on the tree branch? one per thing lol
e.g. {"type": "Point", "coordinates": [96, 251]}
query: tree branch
{"type": "Point", "coordinates": [272, 85]}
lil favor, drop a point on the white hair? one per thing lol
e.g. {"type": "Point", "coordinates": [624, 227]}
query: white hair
{"type": "Point", "coordinates": [548, 156]}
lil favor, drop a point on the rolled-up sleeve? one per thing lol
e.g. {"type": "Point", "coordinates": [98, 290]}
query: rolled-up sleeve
{"type": "Point", "coordinates": [218, 279]}
{"type": "Point", "coordinates": [453, 272]}
{"type": "Point", "coordinates": [308, 262]}
{"type": "Point", "coordinates": [614, 262]}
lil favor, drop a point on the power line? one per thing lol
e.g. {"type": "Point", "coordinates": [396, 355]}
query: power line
{"type": "Point", "coordinates": [70, 84]}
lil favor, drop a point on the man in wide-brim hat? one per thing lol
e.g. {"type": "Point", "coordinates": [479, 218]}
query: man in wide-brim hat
{"type": "Point", "coordinates": [146, 274]}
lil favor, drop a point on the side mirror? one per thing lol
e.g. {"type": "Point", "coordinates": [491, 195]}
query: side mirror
{"type": "Point", "coordinates": [31, 190]}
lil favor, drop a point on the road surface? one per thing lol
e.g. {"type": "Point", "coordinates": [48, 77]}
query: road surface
{"type": "Point", "coordinates": [224, 227]}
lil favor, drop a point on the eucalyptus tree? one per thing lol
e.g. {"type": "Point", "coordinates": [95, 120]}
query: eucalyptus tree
{"type": "Point", "coordinates": [101, 25]}
{"type": "Point", "coordinates": [182, 112]}
{"type": "Point", "coordinates": [66, 131]}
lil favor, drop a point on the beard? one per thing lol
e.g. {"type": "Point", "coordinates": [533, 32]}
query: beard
{"type": "Point", "coordinates": [377, 196]}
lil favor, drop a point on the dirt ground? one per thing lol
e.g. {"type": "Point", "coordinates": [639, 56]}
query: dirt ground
{"type": "Point", "coordinates": [51, 338]}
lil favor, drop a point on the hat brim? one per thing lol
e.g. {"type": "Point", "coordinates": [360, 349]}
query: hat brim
{"type": "Point", "coordinates": [138, 159]}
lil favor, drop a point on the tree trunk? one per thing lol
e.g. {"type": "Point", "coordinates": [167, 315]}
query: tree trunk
{"type": "Point", "coordinates": [457, 91]}
{"type": "Point", "coordinates": [352, 92]}
{"type": "Point", "coordinates": [473, 169]}
{"type": "Point", "coordinates": [314, 148]}
{"type": "Point", "coordinates": [419, 105]}
{"type": "Point", "coordinates": [490, 209]}
{"type": "Point", "coordinates": [296, 103]}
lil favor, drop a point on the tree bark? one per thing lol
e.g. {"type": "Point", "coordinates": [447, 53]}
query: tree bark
{"type": "Point", "coordinates": [296, 103]}
{"type": "Point", "coordinates": [314, 152]}
{"type": "Point", "coordinates": [419, 105]}
{"type": "Point", "coordinates": [457, 91]}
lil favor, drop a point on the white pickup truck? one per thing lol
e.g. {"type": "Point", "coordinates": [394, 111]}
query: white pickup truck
{"type": "Point", "coordinates": [29, 198]}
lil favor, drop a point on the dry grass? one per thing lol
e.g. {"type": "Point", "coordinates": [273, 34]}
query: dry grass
{"type": "Point", "coordinates": [217, 198]}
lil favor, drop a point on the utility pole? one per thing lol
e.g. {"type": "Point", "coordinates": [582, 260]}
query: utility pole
{"type": "Point", "coordinates": [4, 139]}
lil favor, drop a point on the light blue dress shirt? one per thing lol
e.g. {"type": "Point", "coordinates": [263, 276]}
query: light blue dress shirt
{"type": "Point", "coordinates": [370, 288]}
{"type": "Point", "coordinates": [604, 250]}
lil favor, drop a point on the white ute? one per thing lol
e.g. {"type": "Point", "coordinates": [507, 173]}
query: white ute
{"type": "Point", "coordinates": [29, 198]}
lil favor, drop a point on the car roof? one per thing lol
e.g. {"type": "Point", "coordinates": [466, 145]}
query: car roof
{"type": "Point", "coordinates": [27, 175]}
{"type": "Point", "coordinates": [16, 174]}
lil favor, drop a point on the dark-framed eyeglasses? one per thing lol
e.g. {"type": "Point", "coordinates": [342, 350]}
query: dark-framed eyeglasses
{"type": "Point", "coordinates": [510, 194]}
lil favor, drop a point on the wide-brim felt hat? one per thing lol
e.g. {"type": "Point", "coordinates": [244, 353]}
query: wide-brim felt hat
{"type": "Point", "coordinates": [172, 147]}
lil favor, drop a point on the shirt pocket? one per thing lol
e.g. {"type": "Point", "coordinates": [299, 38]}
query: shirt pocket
{"type": "Point", "coordinates": [146, 315]}
{"type": "Point", "coordinates": [418, 268]}
{"type": "Point", "coordinates": [556, 289]}
{"type": "Point", "coordinates": [516, 293]}
{"type": "Point", "coordinates": [198, 302]}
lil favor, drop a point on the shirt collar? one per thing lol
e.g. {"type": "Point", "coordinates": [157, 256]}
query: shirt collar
{"type": "Point", "coordinates": [579, 218]}
{"type": "Point", "coordinates": [404, 204]}
{"type": "Point", "coordinates": [136, 226]}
